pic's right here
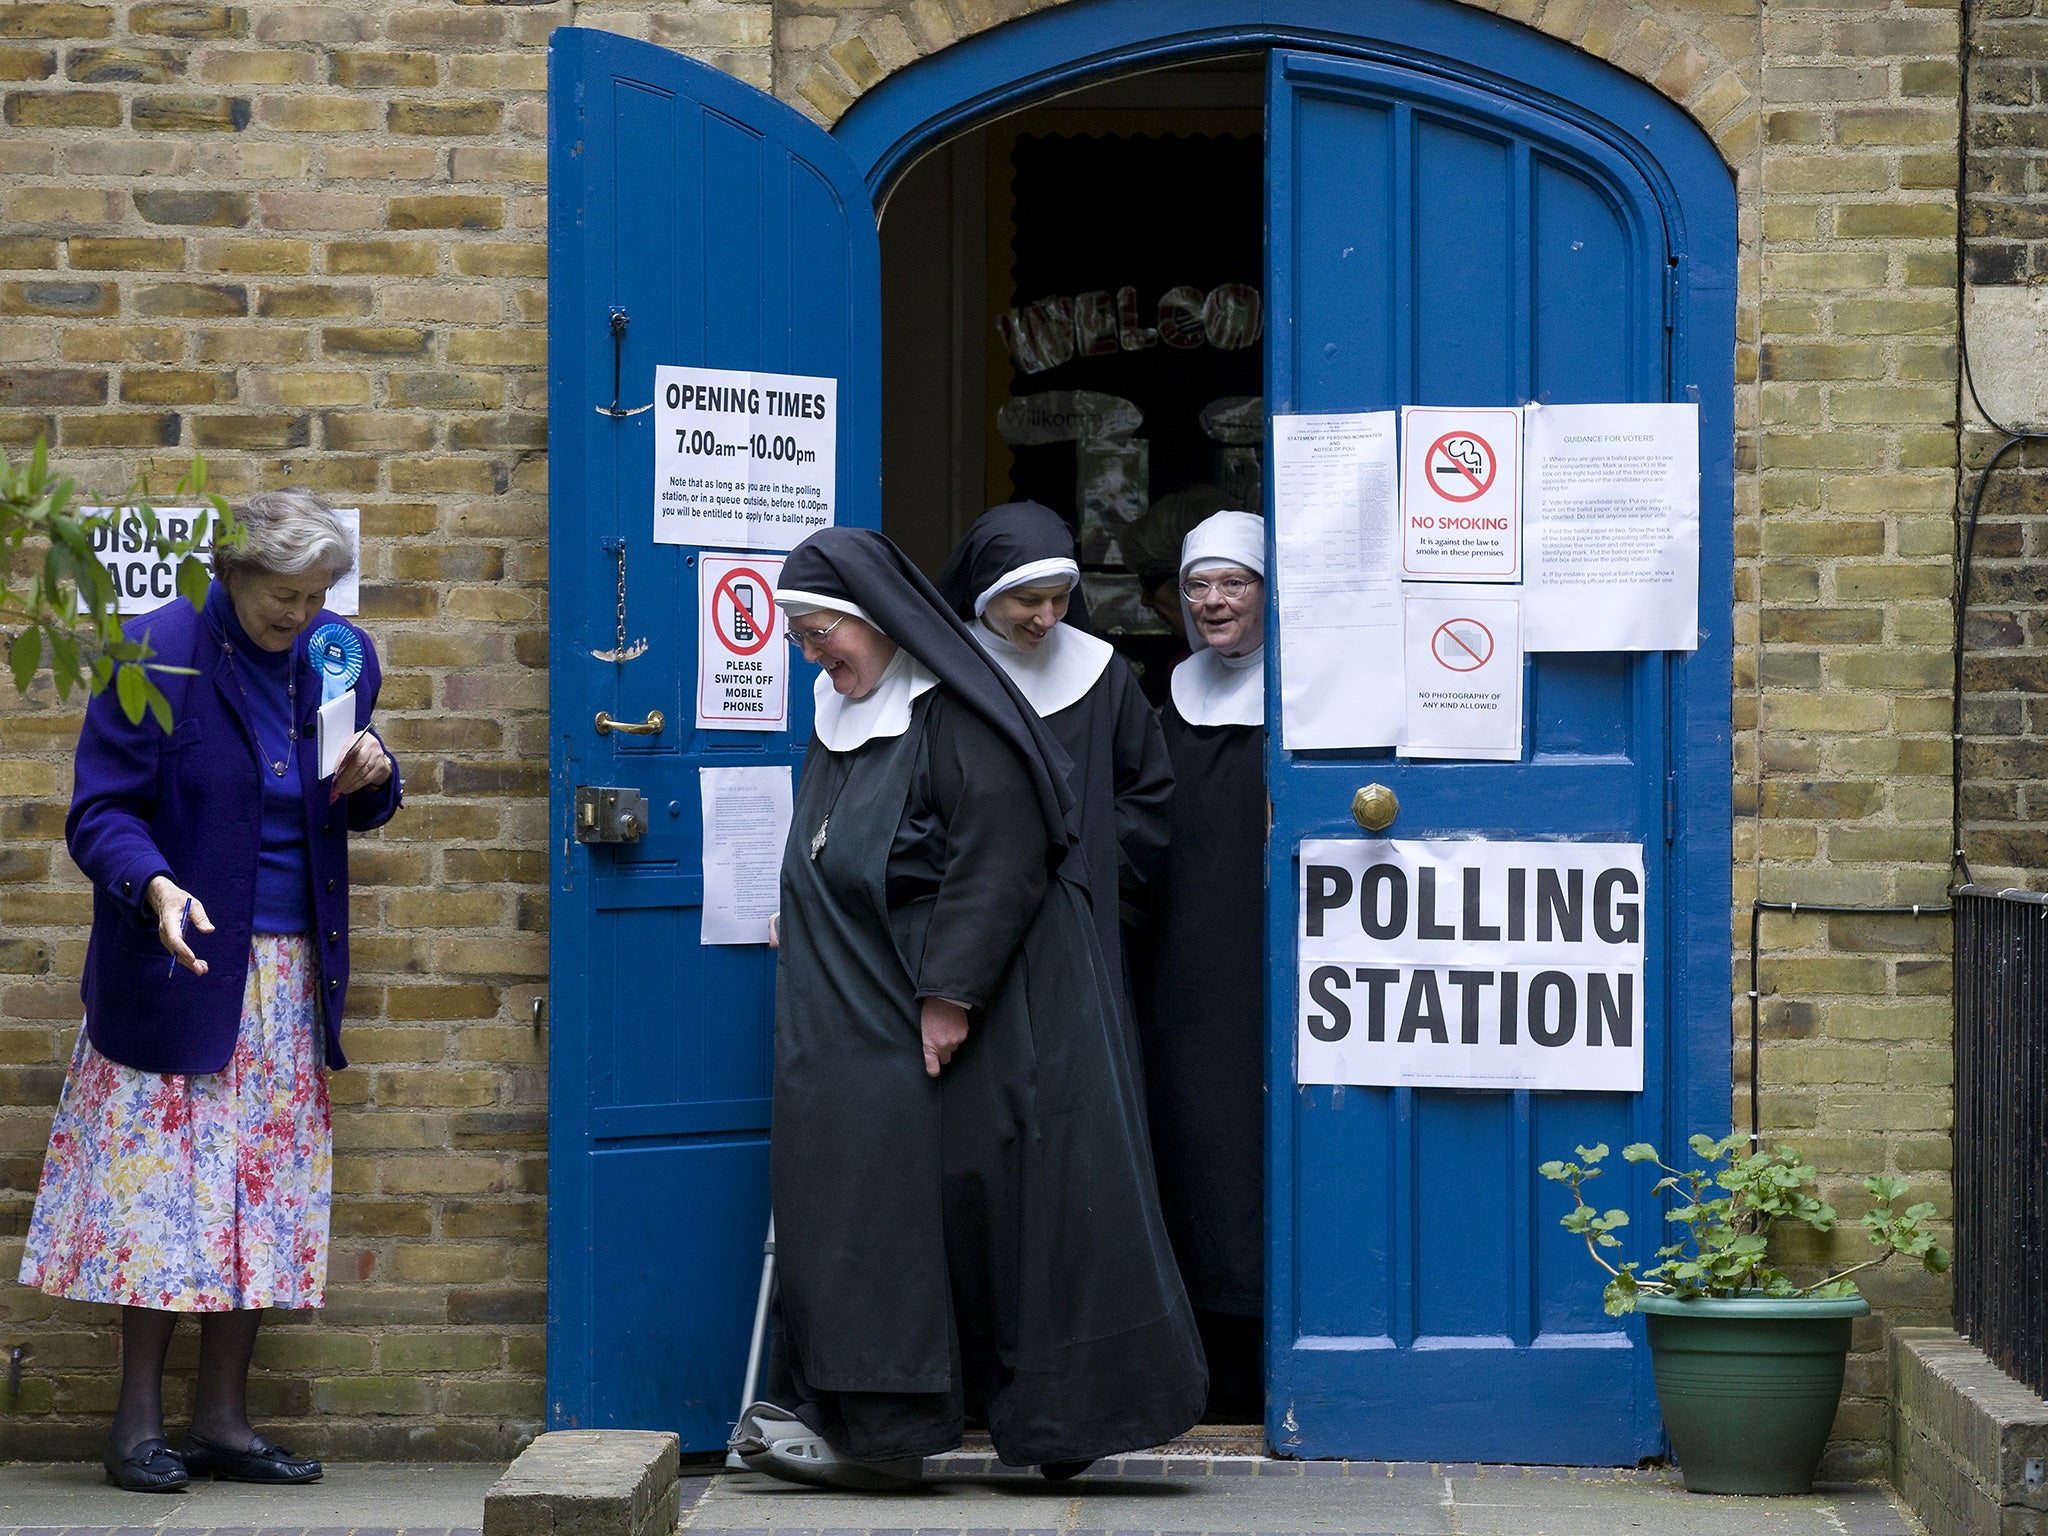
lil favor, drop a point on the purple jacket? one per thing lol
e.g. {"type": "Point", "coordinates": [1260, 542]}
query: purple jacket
{"type": "Point", "coordinates": [190, 805]}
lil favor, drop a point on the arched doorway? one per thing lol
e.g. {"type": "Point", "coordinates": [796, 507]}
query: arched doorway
{"type": "Point", "coordinates": [1420, 1300]}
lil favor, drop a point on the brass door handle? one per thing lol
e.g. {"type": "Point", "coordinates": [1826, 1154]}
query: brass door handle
{"type": "Point", "coordinates": [651, 726]}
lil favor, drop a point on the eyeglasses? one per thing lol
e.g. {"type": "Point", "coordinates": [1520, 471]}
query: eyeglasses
{"type": "Point", "coordinates": [1232, 587]}
{"type": "Point", "coordinates": [803, 637]}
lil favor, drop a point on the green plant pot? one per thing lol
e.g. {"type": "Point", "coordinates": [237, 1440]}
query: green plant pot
{"type": "Point", "coordinates": [1749, 1386]}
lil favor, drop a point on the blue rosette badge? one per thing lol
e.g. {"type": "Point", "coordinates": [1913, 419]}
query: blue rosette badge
{"type": "Point", "coordinates": [337, 655]}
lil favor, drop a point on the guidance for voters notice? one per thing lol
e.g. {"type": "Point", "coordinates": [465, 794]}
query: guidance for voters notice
{"type": "Point", "coordinates": [743, 460]}
{"type": "Point", "coordinates": [1612, 528]}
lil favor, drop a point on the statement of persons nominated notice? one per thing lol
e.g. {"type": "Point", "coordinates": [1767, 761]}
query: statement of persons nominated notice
{"type": "Point", "coordinates": [1471, 965]}
{"type": "Point", "coordinates": [743, 460]}
{"type": "Point", "coordinates": [1338, 546]}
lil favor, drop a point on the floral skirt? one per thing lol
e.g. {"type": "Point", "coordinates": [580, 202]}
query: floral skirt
{"type": "Point", "coordinates": [205, 1192]}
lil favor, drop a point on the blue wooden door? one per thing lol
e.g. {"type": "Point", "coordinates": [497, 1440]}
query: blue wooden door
{"type": "Point", "coordinates": [731, 233]}
{"type": "Point", "coordinates": [1435, 241]}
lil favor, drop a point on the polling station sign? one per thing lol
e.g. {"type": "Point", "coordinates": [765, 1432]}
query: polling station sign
{"type": "Point", "coordinates": [1471, 965]}
{"type": "Point", "coordinates": [743, 460]}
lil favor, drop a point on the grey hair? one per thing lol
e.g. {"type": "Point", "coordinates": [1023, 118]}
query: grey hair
{"type": "Point", "coordinates": [288, 533]}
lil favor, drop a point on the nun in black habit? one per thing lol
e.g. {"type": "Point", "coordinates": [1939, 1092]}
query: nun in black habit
{"type": "Point", "coordinates": [966, 1216]}
{"type": "Point", "coordinates": [1202, 1013]}
{"type": "Point", "coordinates": [1010, 582]}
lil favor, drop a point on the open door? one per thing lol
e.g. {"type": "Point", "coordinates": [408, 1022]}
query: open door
{"type": "Point", "coordinates": [729, 232]}
{"type": "Point", "coordinates": [1432, 241]}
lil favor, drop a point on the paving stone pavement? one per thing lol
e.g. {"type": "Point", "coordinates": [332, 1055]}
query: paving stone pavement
{"type": "Point", "coordinates": [976, 1496]}
{"type": "Point", "coordinates": [71, 1499]}
{"type": "Point", "coordinates": [1249, 1496]}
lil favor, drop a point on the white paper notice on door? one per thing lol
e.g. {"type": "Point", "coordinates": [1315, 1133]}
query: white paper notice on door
{"type": "Point", "coordinates": [1612, 528]}
{"type": "Point", "coordinates": [742, 662]}
{"type": "Point", "coordinates": [1461, 493]}
{"type": "Point", "coordinates": [1472, 964]}
{"type": "Point", "coordinates": [1338, 542]}
{"type": "Point", "coordinates": [1464, 673]}
{"type": "Point", "coordinates": [743, 460]}
{"type": "Point", "coordinates": [746, 822]}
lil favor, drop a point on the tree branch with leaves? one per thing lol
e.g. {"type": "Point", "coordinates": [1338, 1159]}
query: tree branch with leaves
{"type": "Point", "coordinates": [59, 599]}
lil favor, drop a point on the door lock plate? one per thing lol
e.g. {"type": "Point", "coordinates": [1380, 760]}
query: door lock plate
{"type": "Point", "coordinates": [609, 815]}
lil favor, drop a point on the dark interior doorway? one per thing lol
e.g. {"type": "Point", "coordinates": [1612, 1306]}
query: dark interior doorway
{"type": "Point", "coordinates": [1100, 253]}
{"type": "Point", "coordinates": [1073, 314]}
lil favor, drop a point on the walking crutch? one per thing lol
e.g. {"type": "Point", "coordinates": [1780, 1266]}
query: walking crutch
{"type": "Point", "coordinates": [756, 1349]}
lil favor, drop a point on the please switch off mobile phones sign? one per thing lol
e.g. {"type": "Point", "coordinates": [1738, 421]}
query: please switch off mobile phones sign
{"type": "Point", "coordinates": [742, 660]}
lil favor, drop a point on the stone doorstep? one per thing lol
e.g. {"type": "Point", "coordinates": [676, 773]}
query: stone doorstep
{"type": "Point", "coordinates": [589, 1482]}
{"type": "Point", "coordinates": [1963, 1432]}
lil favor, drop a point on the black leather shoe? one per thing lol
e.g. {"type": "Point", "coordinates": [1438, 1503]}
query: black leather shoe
{"type": "Point", "coordinates": [1063, 1471]}
{"type": "Point", "coordinates": [261, 1463]}
{"type": "Point", "coordinates": [152, 1467]}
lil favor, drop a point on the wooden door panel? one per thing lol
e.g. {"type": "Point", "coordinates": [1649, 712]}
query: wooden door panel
{"type": "Point", "coordinates": [1423, 1304]}
{"type": "Point", "coordinates": [732, 233]}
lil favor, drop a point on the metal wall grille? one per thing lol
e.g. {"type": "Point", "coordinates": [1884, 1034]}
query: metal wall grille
{"type": "Point", "coordinates": [2001, 1135]}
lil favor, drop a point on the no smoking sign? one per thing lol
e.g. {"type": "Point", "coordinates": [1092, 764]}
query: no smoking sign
{"type": "Point", "coordinates": [742, 666]}
{"type": "Point", "coordinates": [1461, 493]}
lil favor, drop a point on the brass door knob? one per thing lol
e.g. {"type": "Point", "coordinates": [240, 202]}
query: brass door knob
{"type": "Point", "coordinates": [1375, 807]}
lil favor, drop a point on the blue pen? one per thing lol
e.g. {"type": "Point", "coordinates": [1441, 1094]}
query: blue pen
{"type": "Point", "coordinates": [183, 919]}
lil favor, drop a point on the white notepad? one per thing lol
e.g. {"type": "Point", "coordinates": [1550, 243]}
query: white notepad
{"type": "Point", "coordinates": [337, 730]}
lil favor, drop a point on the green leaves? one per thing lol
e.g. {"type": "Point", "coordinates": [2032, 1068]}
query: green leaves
{"type": "Point", "coordinates": [24, 656]}
{"type": "Point", "coordinates": [68, 608]}
{"type": "Point", "coordinates": [1725, 1212]}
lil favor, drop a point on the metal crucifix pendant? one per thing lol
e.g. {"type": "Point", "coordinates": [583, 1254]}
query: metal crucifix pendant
{"type": "Point", "coordinates": [818, 839]}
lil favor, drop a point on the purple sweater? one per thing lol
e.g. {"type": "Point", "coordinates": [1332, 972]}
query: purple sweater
{"type": "Point", "coordinates": [190, 805]}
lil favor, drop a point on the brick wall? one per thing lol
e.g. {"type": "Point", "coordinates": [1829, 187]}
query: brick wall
{"type": "Point", "coordinates": [2004, 721]}
{"type": "Point", "coordinates": [1842, 787]}
{"type": "Point", "coordinates": [307, 241]}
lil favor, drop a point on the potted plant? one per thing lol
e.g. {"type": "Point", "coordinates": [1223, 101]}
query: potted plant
{"type": "Point", "coordinates": [1748, 1362]}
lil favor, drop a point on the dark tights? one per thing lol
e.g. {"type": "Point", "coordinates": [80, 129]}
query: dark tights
{"type": "Point", "coordinates": [220, 1412]}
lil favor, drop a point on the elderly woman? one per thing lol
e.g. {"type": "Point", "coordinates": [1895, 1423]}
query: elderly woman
{"type": "Point", "coordinates": [964, 1206]}
{"type": "Point", "coordinates": [1010, 581]}
{"type": "Point", "coordinates": [189, 1166]}
{"type": "Point", "coordinates": [1203, 1019]}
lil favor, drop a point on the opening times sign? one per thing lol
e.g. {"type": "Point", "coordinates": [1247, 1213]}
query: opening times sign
{"type": "Point", "coordinates": [1471, 965]}
{"type": "Point", "coordinates": [743, 460]}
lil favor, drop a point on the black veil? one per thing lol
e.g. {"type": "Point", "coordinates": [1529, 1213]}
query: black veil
{"type": "Point", "coordinates": [861, 566]}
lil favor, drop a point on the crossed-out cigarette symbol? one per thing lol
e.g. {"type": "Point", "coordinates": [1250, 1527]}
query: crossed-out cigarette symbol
{"type": "Point", "coordinates": [1460, 466]}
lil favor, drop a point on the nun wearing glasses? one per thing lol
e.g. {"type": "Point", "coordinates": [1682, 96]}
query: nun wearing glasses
{"type": "Point", "coordinates": [966, 1220]}
{"type": "Point", "coordinates": [1010, 582]}
{"type": "Point", "coordinates": [1203, 1013]}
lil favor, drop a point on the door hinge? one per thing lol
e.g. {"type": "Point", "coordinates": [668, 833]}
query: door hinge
{"type": "Point", "coordinates": [1670, 807]}
{"type": "Point", "coordinates": [1673, 287]}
